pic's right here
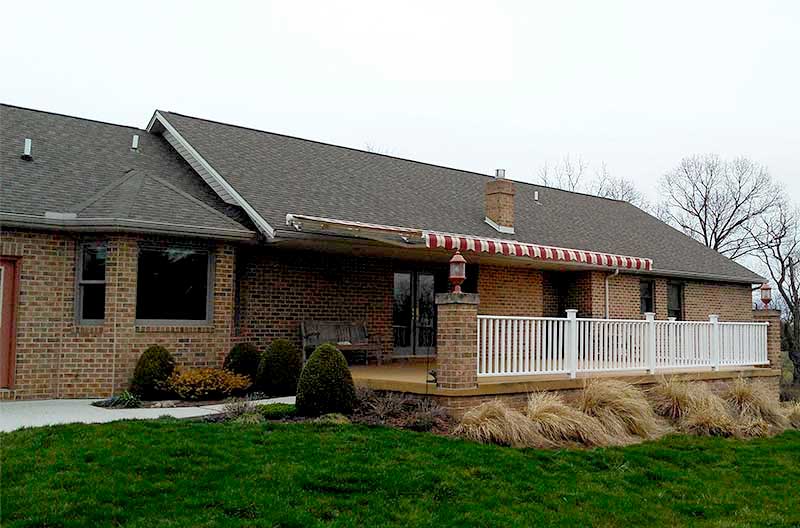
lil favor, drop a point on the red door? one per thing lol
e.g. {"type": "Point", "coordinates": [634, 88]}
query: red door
{"type": "Point", "coordinates": [8, 294]}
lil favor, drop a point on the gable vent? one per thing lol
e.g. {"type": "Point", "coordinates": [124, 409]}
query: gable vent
{"type": "Point", "coordinates": [26, 150]}
{"type": "Point", "coordinates": [135, 142]}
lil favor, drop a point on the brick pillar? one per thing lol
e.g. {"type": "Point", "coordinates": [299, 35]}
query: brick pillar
{"type": "Point", "coordinates": [773, 317]}
{"type": "Point", "coordinates": [457, 341]}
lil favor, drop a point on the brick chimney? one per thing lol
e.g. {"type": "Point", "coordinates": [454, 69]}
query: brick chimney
{"type": "Point", "coordinates": [500, 203]}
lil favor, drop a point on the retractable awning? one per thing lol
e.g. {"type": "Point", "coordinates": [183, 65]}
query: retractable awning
{"type": "Point", "coordinates": [535, 251]}
{"type": "Point", "coordinates": [410, 237]}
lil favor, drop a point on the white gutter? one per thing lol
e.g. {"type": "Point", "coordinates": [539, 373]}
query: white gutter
{"type": "Point", "coordinates": [608, 276]}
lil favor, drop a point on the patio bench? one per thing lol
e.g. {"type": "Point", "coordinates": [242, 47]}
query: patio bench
{"type": "Point", "coordinates": [351, 338]}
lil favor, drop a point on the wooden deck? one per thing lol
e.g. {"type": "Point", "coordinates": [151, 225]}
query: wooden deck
{"type": "Point", "coordinates": [413, 378]}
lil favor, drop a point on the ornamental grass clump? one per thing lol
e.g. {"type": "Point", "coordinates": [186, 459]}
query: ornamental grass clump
{"type": "Point", "coordinates": [494, 423]}
{"type": "Point", "coordinates": [621, 408]}
{"type": "Point", "coordinates": [207, 383]}
{"type": "Point", "coordinates": [560, 423]}
{"type": "Point", "coordinates": [672, 399]}
{"type": "Point", "coordinates": [325, 385]}
{"type": "Point", "coordinates": [752, 401]}
{"type": "Point", "coordinates": [793, 415]}
{"type": "Point", "coordinates": [708, 415]}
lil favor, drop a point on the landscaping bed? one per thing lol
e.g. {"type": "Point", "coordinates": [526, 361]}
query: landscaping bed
{"type": "Point", "coordinates": [179, 473]}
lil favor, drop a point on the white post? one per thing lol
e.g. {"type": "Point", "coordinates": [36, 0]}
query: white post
{"type": "Point", "coordinates": [650, 350]}
{"type": "Point", "coordinates": [714, 320]}
{"type": "Point", "coordinates": [572, 342]}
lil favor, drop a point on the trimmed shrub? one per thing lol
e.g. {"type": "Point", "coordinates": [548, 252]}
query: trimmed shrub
{"type": "Point", "coordinates": [752, 401]}
{"type": "Point", "coordinates": [494, 423]}
{"type": "Point", "coordinates": [559, 423]}
{"type": "Point", "coordinates": [279, 369]}
{"type": "Point", "coordinates": [621, 408]}
{"type": "Point", "coordinates": [207, 383]}
{"type": "Point", "coordinates": [152, 371]}
{"type": "Point", "coordinates": [244, 359]}
{"type": "Point", "coordinates": [276, 411]}
{"type": "Point", "coordinates": [325, 384]}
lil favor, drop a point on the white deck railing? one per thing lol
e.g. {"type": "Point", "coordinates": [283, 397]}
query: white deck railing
{"type": "Point", "coordinates": [520, 346]}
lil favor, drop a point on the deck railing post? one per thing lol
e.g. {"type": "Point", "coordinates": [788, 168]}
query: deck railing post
{"type": "Point", "coordinates": [715, 341]}
{"type": "Point", "coordinates": [650, 350]}
{"type": "Point", "coordinates": [572, 342]}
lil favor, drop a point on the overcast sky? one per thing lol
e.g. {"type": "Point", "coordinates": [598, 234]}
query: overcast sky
{"type": "Point", "coordinates": [636, 85]}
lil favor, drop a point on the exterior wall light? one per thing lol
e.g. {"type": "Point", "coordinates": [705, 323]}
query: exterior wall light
{"type": "Point", "coordinates": [458, 271]}
{"type": "Point", "coordinates": [766, 294]}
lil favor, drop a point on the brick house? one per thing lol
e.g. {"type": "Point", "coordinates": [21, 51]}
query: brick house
{"type": "Point", "coordinates": [198, 235]}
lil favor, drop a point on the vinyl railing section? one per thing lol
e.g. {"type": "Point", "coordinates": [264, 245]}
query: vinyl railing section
{"type": "Point", "coordinates": [525, 346]}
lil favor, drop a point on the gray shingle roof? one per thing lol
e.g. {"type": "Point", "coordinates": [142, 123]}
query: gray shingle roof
{"type": "Point", "coordinates": [88, 168]}
{"type": "Point", "coordinates": [280, 174]}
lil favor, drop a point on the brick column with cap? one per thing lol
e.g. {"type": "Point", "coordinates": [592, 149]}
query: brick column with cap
{"type": "Point", "coordinates": [457, 341]}
{"type": "Point", "coordinates": [773, 317]}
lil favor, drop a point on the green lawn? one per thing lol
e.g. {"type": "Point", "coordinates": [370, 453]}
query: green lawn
{"type": "Point", "coordinates": [171, 473]}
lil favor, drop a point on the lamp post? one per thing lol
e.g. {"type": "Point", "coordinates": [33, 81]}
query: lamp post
{"type": "Point", "coordinates": [766, 294]}
{"type": "Point", "coordinates": [458, 271]}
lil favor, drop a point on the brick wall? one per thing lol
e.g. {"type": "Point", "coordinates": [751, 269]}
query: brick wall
{"type": "Point", "coordinates": [510, 291]}
{"type": "Point", "coordinates": [56, 358]}
{"type": "Point", "coordinates": [280, 289]}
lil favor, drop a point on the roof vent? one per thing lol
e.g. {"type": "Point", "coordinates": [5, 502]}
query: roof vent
{"type": "Point", "coordinates": [26, 150]}
{"type": "Point", "coordinates": [500, 174]}
{"type": "Point", "coordinates": [135, 142]}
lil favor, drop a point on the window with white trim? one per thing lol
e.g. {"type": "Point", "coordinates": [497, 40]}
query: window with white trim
{"type": "Point", "coordinates": [174, 285]}
{"type": "Point", "coordinates": [91, 295]}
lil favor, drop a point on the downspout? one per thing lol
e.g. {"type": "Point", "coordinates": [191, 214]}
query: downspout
{"type": "Point", "coordinates": [608, 276]}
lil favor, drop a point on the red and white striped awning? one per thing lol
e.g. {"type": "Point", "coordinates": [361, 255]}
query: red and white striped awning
{"type": "Point", "coordinates": [535, 251]}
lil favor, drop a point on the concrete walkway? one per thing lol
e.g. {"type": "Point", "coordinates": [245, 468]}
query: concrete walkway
{"type": "Point", "coordinates": [18, 414]}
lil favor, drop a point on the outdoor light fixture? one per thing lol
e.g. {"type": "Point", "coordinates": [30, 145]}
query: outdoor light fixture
{"type": "Point", "coordinates": [458, 271]}
{"type": "Point", "coordinates": [766, 294]}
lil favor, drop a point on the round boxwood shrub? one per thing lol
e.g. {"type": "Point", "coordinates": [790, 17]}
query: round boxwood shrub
{"type": "Point", "coordinates": [243, 359]}
{"type": "Point", "coordinates": [153, 369]}
{"type": "Point", "coordinates": [280, 369]}
{"type": "Point", "coordinates": [325, 385]}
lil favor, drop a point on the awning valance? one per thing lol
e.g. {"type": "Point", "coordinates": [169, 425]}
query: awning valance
{"type": "Point", "coordinates": [535, 251]}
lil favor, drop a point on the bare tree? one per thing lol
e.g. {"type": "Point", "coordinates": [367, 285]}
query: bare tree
{"type": "Point", "coordinates": [717, 201]}
{"type": "Point", "coordinates": [779, 253]}
{"type": "Point", "coordinates": [571, 176]}
{"type": "Point", "coordinates": [618, 188]}
{"type": "Point", "coordinates": [566, 174]}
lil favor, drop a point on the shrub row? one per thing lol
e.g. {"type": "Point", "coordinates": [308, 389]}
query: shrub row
{"type": "Point", "coordinates": [323, 385]}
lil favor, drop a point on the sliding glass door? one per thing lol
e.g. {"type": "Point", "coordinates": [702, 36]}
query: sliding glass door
{"type": "Point", "coordinates": [414, 314]}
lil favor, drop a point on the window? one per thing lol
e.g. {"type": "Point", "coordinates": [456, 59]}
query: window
{"type": "Point", "coordinates": [646, 290]}
{"type": "Point", "coordinates": [675, 300]}
{"type": "Point", "coordinates": [91, 295]}
{"type": "Point", "coordinates": [173, 285]}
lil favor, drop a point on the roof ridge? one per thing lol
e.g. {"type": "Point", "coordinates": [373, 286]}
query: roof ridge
{"type": "Point", "coordinates": [128, 174]}
{"type": "Point", "coordinates": [318, 142]}
{"type": "Point", "coordinates": [48, 112]}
